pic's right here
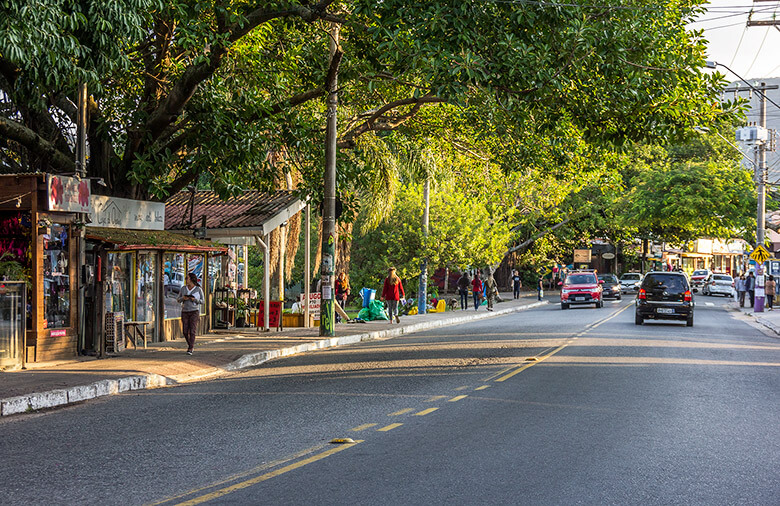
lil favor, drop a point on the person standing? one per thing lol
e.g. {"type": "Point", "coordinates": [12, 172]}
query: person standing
{"type": "Point", "coordinates": [751, 287]}
{"type": "Point", "coordinates": [539, 288]}
{"type": "Point", "coordinates": [517, 284]}
{"type": "Point", "coordinates": [491, 290]}
{"type": "Point", "coordinates": [741, 290]}
{"type": "Point", "coordinates": [476, 289]}
{"type": "Point", "coordinates": [463, 290]}
{"type": "Point", "coordinates": [342, 289]}
{"type": "Point", "coordinates": [392, 292]}
{"type": "Point", "coordinates": [190, 298]}
{"type": "Point", "coordinates": [769, 289]}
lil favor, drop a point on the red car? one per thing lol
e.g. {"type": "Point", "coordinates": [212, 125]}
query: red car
{"type": "Point", "coordinates": [581, 287]}
{"type": "Point", "coordinates": [699, 277]}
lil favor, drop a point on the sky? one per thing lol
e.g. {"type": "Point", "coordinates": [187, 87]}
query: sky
{"type": "Point", "coordinates": [751, 52]}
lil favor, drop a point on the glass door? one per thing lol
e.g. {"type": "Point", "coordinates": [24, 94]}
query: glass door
{"type": "Point", "coordinates": [12, 322]}
{"type": "Point", "coordinates": [146, 292]}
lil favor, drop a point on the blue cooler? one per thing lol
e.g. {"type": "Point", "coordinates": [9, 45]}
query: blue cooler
{"type": "Point", "coordinates": [368, 295]}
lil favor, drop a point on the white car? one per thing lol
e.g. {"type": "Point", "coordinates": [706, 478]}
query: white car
{"type": "Point", "coordinates": [720, 284]}
{"type": "Point", "coordinates": [630, 281]}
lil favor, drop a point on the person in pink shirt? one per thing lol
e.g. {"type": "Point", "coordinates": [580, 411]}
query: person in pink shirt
{"type": "Point", "coordinates": [476, 288]}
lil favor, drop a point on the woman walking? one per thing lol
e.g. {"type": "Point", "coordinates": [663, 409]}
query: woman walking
{"type": "Point", "coordinates": [476, 288]}
{"type": "Point", "coordinates": [342, 292]}
{"type": "Point", "coordinates": [769, 289]}
{"type": "Point", "coordinates": [190, 298]}
{"type": "Point", "coordinates": [392, 292]}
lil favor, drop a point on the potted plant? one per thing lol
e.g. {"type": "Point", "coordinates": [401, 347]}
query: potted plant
{"type": "Point", "coordinates": [241, 313]}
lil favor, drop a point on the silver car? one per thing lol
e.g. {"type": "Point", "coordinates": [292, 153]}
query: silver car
{"type": "Point", "coordinates": [718, 284]}
{"type": "Point", "coordinates": [630, 281]}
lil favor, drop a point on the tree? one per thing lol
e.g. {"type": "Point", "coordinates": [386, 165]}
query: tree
{"type": "Point", "coordinates": [186, 89]}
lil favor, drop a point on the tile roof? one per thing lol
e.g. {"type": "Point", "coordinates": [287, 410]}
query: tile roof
{"type": "Point", "coordinates": [250, 209]}
{"type": "Point", "coordinates": [149, 239]}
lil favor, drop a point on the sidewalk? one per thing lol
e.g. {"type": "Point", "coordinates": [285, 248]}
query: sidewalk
{"type": "Point", "coordinates": [51, 384]}
{"type": "Point", "coordinates": [769, 319]}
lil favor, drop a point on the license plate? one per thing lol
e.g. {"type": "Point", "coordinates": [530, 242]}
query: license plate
{"type": "Point", "coordinates": [664, 310]}
{"type": "Point", "coordinates": [579, 298]}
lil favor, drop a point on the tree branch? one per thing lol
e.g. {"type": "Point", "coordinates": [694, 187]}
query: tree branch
{"type": "Point", "coordinates": [36, 144]}
{"type": "Point", "coordinates": [378, 121]}
{"type": "Point", "coordinates": [526, 243]}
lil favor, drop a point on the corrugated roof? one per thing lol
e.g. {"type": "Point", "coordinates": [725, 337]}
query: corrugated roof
{"type": "Point", "coordinates": [149, 239]}
{"type": "Point", "coordinates": [250, 209]}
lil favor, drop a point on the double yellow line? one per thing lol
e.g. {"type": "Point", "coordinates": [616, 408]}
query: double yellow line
{"type": "Point", "coordinates": [536, 360]}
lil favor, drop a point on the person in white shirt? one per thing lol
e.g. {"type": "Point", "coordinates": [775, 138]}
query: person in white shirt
{"type": "Point", "coordinates": [190, 297]}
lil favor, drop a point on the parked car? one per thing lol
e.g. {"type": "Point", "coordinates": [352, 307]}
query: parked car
{"type": "Point", "coordinates": [665, 296]}
{"type": "Point", "coordinates": [610, 289]}
{"type": "Point", "coordinates": [721, 284]}
{"type": "Point", "coordinates": [630, 281]}
{"type": "Point", "coordinates": [699, 277]}
{"type": "Point", "coordinates": [581, 287]}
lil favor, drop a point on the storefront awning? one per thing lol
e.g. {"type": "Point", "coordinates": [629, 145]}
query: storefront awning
{"type": "Point", "coordinates": [124, 239]}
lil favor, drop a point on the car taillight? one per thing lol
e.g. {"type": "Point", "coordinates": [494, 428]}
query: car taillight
{"type": "Point", "coordinates": [642, 294]}
{"type": "Point", "coordinates": [687, 297]}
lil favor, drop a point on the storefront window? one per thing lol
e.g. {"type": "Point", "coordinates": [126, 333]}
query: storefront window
{"type": "Point", "coordinates": [195, 265]}
{"type": "Point", "coordinates": [215, 272]}
{"type": "Point", "coordinates": [120, 272]}
{"type": "Point", "coordinates": [146, 290]}
{"type": "Point", "coordinates": [173, 280]}
{"type": "Point", "coordinates": [56, 280]}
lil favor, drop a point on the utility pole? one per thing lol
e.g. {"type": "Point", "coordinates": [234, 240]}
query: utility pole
{"type": "Point", "coordinates": [81, 173]}
{"type": "Point", "coordinates": [422, 294]}
{"type": "Point", "coordinates": [760, 169]}
{"type": "Point", "coordinates": [328, 246]}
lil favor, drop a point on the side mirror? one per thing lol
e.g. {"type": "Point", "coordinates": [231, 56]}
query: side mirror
{"type": "Point", "coordinates": [560, 283]}
{"type": "Point", "coordinates": [601, 281]}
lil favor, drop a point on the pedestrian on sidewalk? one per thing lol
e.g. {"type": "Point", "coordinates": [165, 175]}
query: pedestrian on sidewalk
{"type": "Point", "coordinates": [491, 289]}
{"type": "Point", "coordinates": [463, 290]}
{"type": "Point", "coordinates": [769, 288]}
{"type": "Point", "coordinates": [741, 290]}
{"type": "Point", "coordinates": [751, 287]}
{"type": "Point", "coordinates": [539, 288]}
{"type": "Point", "coordinates": [517, 284]}
{"type": "Point", "coordinates": [392, 292]}
{"type": "Point", "coordinates": [190, 298]}
{"type": "Point", "coordinates": [342, 289]}
{"type": "Point", "coordinates": [476, 290]}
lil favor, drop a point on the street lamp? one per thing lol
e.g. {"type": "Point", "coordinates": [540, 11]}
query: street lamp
{"type": "Point", "coordinates": [705, 130]}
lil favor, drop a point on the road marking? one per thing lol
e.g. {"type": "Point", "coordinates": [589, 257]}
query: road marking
{"type": "Point", "coordinates": [363, 427]}
{"type": "Point", "coordinates": [436, 398]}
{"type": "Point", "coordinates": [456, 399]}
{"type": "Point", "coordinates": [258, 479]}
{"type": "Point", "coordinates": [426, 412]}
{"type": "Point", "coordinates": [482, 387]}
{"type": "Point", "coordinates": [462, 388]}
{"type": "Point", "coordinates": [709, 303]}
{"type": "Point", "coordinates": [400, 412]}
{"type": "Point", "coordinates": [389, 427]}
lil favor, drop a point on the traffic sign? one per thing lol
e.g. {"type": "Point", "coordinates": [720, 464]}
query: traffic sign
{"type": "Point", "coordinates": [760, 254]}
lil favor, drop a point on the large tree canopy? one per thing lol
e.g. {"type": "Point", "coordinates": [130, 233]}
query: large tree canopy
{"type": "Point", "coordinates": [186, 89]}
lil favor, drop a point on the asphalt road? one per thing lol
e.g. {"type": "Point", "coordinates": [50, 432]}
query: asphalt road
{"type": "Point", "coordinates": [540, 407]}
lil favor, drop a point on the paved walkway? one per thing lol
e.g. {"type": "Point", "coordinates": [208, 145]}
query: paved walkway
{"type": "Point", "coordinates": [50, 384]}
{"type": "Point", "coordinates": [769, 319]}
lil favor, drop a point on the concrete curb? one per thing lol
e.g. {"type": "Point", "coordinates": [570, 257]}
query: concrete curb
{"type": "Point", "coordinates": [56, 398]}
{"type": "Point", "coordinates": [761, 321]}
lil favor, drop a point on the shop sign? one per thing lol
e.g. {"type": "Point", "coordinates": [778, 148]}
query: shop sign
{"type": "Point", "coordinates": [582, 256]}
{"type": "Point", "coordinates": [315, 298]}
{"type": "Point", "coordinates": [608, 256]}
{"type": "Point", "coordinates": [113, 212]}
{"type": "Point", "coordinates": [59, 333]}
{"type": "Point", "coordinates": [67, 194]}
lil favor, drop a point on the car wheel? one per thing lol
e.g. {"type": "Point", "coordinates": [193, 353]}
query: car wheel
{"type": "Point", "coordinates": [564, 306]}
{"type": "Point", "coordinates": [689, 321]}
{"type": "Point", "coordinates": [638, 320]}
{"type": "Point", "coordinates": [619, 297]}
{"type": "Point", "coordinates": [600, 304]}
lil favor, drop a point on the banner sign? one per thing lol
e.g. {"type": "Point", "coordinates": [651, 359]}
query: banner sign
{"type": "Point", "coordinates": [582, 256]}
{"type": "Point", "coordinates": [314, 304]}
{"type": "Point", "coordinates": [67, 194]}
{"type": "Point", "coordinates": [113, 212]}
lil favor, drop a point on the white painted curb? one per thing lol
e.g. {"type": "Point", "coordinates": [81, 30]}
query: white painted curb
{"type": "Point", "coordinates": [54, 398]}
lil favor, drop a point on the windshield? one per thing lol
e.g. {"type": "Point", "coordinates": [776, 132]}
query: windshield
{"type": "Point", "coordinates": [670, 282]}
{"type": "Point", "coordinates": [721, 277]}
{"type": "Point", "coordinates": [608, 278]}
{"type": "Point", "coordinates": [699, 273]}
{"type": "Point", "coordinates": [581, 279]}
{"type": "Point", "coordinates": [630, 277]}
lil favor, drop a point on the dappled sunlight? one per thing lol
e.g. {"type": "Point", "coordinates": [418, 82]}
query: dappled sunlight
{"type": "Point", "coordinates": [646, 361]}
{"type": "Point", "coordinates": [668, 343]}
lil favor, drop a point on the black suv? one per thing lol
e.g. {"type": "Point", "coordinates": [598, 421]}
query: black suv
{"type": "Point", "coordinates": [665, 296]}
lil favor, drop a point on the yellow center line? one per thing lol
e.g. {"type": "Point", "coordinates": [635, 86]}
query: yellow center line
{"type": "Point", "coordinates": [426, 411]}
{"type": "Point", "coordinates": [389, 427]}
{"type": "Point", "coordinates": [436, 398]}
{"type": "Point", "coordinates": [363, 427]}
{"type": "Point", "coordinates": [456, 399]}
{"type": "Point", "coordinates": [400, 412]}
{"type": "Point", "coordinates": [462, 388]}
{"type": "Point", "coordinates": [483, 387]}
{"type": "Point", "coordinates": [259, 479]}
